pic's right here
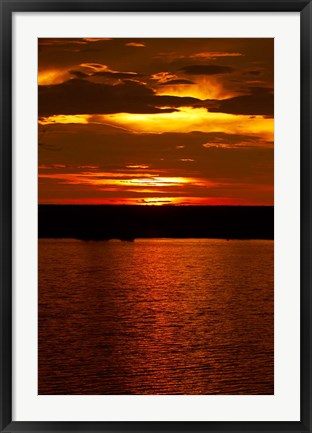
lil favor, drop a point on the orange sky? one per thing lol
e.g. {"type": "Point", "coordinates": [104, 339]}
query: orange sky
{"type": "Point", "coordinates": [156, 121]}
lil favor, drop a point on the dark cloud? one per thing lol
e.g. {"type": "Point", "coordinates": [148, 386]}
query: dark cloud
{"type": "Point", "coordinates": [174, 82]}
{"type": "Point", "coordinates": [115, 75]}
{"type": "Point", "coordinates": [259, 102]}
{"type": "Point", "coordinates": [253, 73]}
{"type": "Point", "coordinates": [206, 69]}
{"type": "Point", "coordinates": [177, 101]}
{"type": "Point", "coordinates": [104, 73]}
{"type": "Point", "coordinates": [115, 141]}
{"type": "Point", "coordinates": [78, 74]}
{"type": "Point", "coordinates": [78, 96]}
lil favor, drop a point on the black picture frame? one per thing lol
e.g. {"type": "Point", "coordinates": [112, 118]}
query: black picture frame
{"type": "Point", "coordinates": [7, 9]}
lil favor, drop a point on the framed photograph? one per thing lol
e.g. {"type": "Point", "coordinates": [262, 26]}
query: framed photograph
{"type": "Point", "coordinates": [155, 216]}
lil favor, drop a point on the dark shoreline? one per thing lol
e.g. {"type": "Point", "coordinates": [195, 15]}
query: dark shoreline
{"type": "Point", "coordinates": [128, 222]}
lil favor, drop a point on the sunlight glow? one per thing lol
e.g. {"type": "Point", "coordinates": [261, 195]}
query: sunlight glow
{"type": "Point", "coordinates": [185, 120]}
{"type": "Point", "coordinates": [52, 76]}
{"type": "Point", "coordinates": [64, 118]}
{"type": "Point", "coordinates": [203, 88]}
{"type": "Point", "coordinates": [193, 119]}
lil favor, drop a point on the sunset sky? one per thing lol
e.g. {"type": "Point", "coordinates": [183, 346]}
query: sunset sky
{"type": "Point", "coordinates": [156, 121]}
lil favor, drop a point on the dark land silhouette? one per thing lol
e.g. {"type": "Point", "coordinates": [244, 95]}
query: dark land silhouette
{"type": "Point", "coordinates": [104, 222]}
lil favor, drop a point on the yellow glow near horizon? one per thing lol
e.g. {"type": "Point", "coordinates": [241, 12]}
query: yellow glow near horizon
{"type": "Point", "coordinates": [109, 179]}
{"type": "Point", "coordinates": [157, 201]}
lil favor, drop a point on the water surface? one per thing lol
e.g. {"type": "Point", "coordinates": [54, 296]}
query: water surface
{"type": "Point", "coordinates": [156, 316]}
